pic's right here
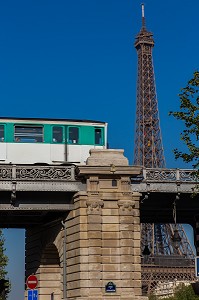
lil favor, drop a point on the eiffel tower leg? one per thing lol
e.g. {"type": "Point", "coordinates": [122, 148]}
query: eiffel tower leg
{"type": "Point", "coordinates": [196, 234]}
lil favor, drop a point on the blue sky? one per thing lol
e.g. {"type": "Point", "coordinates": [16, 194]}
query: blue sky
{"type": "Point", "coordinates": [76, 59]}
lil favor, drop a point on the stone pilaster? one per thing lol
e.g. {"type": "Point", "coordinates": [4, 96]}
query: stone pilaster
{"type": "Point", "coordinates": [77, 279]}
{"type": "Point", "coordinates": [94, 215]}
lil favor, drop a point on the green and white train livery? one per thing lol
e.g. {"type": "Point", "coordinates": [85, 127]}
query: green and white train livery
{"type": "Point", "coordinates": [49, 141]}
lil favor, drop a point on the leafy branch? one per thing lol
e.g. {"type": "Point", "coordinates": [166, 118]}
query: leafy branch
{"type": "Point", "coordinates": [189, 114]}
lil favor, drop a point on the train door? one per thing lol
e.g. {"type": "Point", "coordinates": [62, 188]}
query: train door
{"type": "Point", "coordinates": [3, 144]}
{"type": "Point", "coordinates": [58, 143]}
{"type": "Point", "coordinates": [74, 149]}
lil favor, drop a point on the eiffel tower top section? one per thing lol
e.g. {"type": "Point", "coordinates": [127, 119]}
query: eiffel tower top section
{"type": "Point", "coordinates": [148, 148]}
{"type": "Point", "coordinates": [144, 36]}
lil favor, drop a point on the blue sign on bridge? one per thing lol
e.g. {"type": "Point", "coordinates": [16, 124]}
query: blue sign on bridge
{"type": "Point", "coordinates": [33, 295]}
{"type": "Point", "coordinates": [197, 266]}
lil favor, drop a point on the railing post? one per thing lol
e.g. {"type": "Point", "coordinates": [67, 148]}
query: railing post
{"type": "Point", "coordinates": [14, 183]}
{"type": "Point", "coordinates": [72, 169]}
{"type": "Point", "coordinates": [14, 173]}
{"type": "Point", "coordinates": [144, 173]}
{"type": "Point", "coordinates": [177, 174]}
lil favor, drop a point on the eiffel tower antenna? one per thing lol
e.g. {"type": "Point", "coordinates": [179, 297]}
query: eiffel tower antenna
{"type": "Point", "coordinates": [143, 18]}
{"type": "Point", "coordinates": [149, 153]}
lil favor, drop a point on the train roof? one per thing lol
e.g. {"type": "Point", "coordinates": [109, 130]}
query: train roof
{"type": "Point", "coordinates": [52, 119]}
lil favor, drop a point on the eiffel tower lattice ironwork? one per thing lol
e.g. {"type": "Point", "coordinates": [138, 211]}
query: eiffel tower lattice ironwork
{"type": "Point", "coordinates": [166, 262]}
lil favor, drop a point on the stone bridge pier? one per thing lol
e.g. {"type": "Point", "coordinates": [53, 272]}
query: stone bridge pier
{"type": "Point", "coordinates": [97, 244]}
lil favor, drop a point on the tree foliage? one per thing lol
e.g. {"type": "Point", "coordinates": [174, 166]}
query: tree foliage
{"type": "Point", "coordinates": [3, 264]}
{"type": "Point", "coordinates": [182, 292]}
{"type": "Point", "coordinates": [189, 114]}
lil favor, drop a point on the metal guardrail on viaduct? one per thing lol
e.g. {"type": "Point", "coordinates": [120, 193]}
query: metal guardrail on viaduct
{"type": "Point", "coordinates": [33, 177]}
{"type": "Point", "coordinates": [166, 180]}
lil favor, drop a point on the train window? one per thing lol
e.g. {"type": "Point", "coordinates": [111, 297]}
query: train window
{"type": "Point", "coordinates": [1, 133]}
{"type": "Point", "coordinates": [98, 136]}
{"type": "Point", "coordinates": [57, 134]}
{"type": "Point", "coordinates": [28, 134]}
{"type": "Point", "coordinates": [73, 135]}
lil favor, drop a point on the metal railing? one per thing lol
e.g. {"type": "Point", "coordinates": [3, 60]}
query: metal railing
{"type": "Point", "coordinates": [36, 173]}
{"type": "Point", "coordinates": [170, 175]}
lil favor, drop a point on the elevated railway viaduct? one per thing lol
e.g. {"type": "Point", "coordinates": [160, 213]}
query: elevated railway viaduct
{"type": "Point", "coordinates": [83, 223]}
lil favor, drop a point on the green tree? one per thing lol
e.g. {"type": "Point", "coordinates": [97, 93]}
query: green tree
{"type": "Point", "coordinates": [3, 264]}
{"type": "Point", "coordinates": [181, 292]}
{"type": "Point", "coordinates": [189, 114]}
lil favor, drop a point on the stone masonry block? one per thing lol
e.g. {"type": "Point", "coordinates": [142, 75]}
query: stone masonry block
{"type": "Point", "coordinates": [126, 258]}
{"type": "Point", "coordinates": [94, 227]}
{"type": "Point", "coordinates": [137, 235]}
{"type": "Point", "coordinates": [136, 243]}
{"type": "Point", "coordinates": [111, 276]}
{"type": "Point", "coordinates": [137, 267]}
{"type": "Point", "coordinates": [95, 275]}
{"type": "Point", "coordinates": [94, 242]}
{"type": "Point", "coordinates": [94, 250]}
{"type": "Point", "coordinates": [137, 276]}
{"type": "Point", "coordinates": [110, 227]}
{"type": "Point", "coordinates": [127, 227]}
{"type": "Point", "coordinates": [111, 267]}
{"type": "Point", "coordinates": [94, 259]}
{"type": "Point", "coordinates": [109, 212]}
{"type": "Point", "coordinates": [126, 267]}
{"type": "Point", "coordinates": [110, 243]}
{"type": "Point", "coordinates": [126, 250]}
{"type": "Point", "coordinates": [126, 243]}
{"type": "Point", "coordinates": [127, 219]}
{"type": "Point", "coordinates": [110, 259]}
{"type": "Point", "coordinates": [136, 259]}
{"type": "Point", "coordinates": [77, 252]}
{"type": "Point", "coordinates": [110, 220]}
{"type": "Point", "coordinates": [110, 204]}
{"type": "Point", "coordinates": [127, 275]}
{"type": "Point", "coordinates": [95, 267]}
{"type": "Point", "coordinates": [94, 219]}
{"type": "Point", "coordinates": [127, 234]}
{"type": "Point", "coordinates": [110, 235]}
{"type": "Point", "coordinates": [110, 251]}
{"type": "Point", "coordinates": [94, 234]}
{"type": "Point", "coordinates": [136, 220]}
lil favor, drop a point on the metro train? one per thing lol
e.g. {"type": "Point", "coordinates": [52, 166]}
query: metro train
{"type": "Point", "coordinates": [49, 141]}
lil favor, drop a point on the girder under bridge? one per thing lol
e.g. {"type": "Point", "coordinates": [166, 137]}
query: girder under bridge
{"type": "Point", "coordinates": [34, 195]}
{"type": "Point", "coordinates": [161, 188]}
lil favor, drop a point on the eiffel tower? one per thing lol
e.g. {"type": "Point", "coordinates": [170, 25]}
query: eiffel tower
{"type": "Point", "coordinates": [162, 263]}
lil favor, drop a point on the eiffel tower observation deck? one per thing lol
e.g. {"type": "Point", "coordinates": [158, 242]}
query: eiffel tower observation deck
{"type": "Point", "coordinates": [160, 254]}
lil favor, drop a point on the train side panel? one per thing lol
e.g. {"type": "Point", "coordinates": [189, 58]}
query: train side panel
{"type": "Point", "coordinates": [48, 143]}
{"type": "Point", "coordinates": [28, 153]}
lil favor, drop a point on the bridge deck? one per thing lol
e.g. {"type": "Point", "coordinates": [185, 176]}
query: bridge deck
{"type": "Point", "coordinates": [33, 193]}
